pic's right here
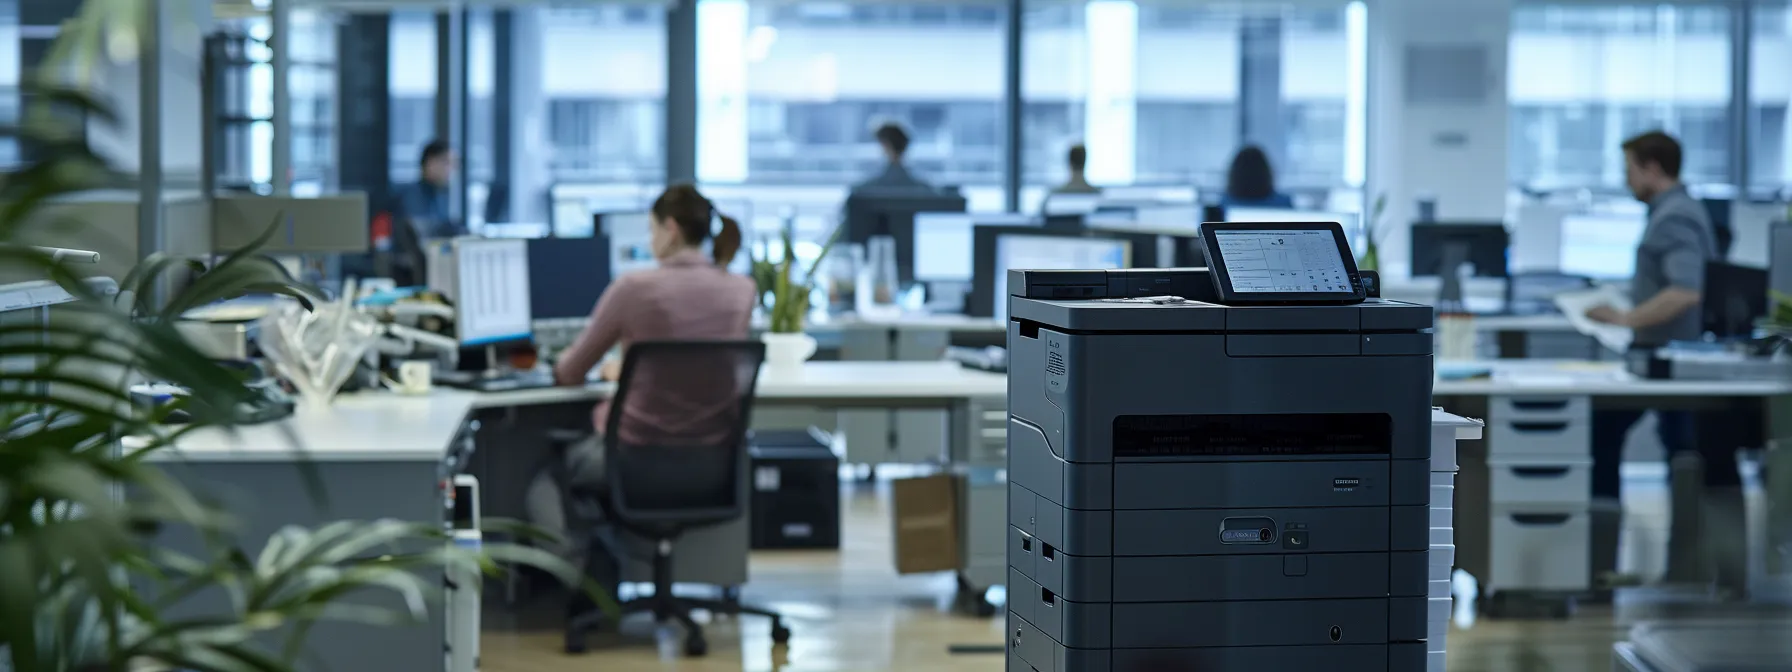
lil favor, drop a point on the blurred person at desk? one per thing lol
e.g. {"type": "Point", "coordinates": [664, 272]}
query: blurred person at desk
{"type": "Point", "coordinates": [894, 178]}
{"type": "Point", "coordinates": [1078, 159]}
{"type": "Point", "coordinates": [1670, 272]}
{"type": "Point", "coordinates": [1251, 183]}
{"type": "Point", "coordinates": [690, 296]}
{"type": "Point", "coordinates": [425, 203]}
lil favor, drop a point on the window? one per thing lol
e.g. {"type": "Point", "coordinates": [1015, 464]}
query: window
{"type": "Point", "coordinates": [1120, 76]}
{"type": "Point", "coordinates": [1583, 78]}
{"type": "Point", "coordinates": [9, 81]}
{"type": "Point", "coordinates": [603, 71]}
{"type": "Point", "coordinates": [1770, 98]}
{"type": "Point", "coordinates": [413, 87]}
{"type": "Point", "coordinates": [789, 93]}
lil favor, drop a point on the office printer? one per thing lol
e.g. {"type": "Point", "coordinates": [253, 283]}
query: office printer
{"type": "Point", "coordinates": [1224, 488]}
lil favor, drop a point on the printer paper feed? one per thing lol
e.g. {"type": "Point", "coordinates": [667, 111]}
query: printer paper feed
{"type": "Point", "coordinates": [1575, 305]}
{"type": "Point", "coordinates": [1283, 261]}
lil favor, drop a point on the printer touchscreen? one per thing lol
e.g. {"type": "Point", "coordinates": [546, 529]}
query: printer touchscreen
{"type": "Point", "coordinates": [1283, 261]}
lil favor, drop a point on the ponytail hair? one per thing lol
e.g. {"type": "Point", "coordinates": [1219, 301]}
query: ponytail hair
{"type": "Point", "coordinates": [727, 240]}
{"type": "Point", "coordinates": [695, 216]}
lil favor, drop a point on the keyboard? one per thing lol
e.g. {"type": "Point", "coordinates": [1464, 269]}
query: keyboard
{"type": "Point", "coordinates": [527, 380]}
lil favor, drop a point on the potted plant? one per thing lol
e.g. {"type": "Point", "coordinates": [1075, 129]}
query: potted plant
{"type": "Point", "coordinates": [786, 345]}
{"type": "Point", "coordinates": [1369, 259]}
{"type": "Point", "coordinates": [83, 585]}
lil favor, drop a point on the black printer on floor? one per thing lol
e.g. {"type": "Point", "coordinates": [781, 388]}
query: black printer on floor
{"type": "Point", "coordinates": [796, 490]}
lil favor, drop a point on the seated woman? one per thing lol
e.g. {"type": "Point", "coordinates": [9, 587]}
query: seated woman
{"type": "Point", "coordinates": [690, 296]}
{"type": "Point", "coordinates": [1251, 183]}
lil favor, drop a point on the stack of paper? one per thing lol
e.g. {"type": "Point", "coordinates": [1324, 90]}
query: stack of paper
{"type": "Point", "coordinates": [1575, 305]}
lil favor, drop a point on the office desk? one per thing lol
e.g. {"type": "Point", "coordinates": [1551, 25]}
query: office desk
{"type": "Point", "coordinates": [1536, 462]}
{"type": "Point", "coordinates": [384, 456]}
{"type": "Point", "coordinates": [971, 441]}
{"type": "Point", "coordinates": [375, 456]}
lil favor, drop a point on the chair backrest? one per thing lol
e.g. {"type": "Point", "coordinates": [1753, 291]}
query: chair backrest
{"type": "Point", "coordinates": [675, 441]}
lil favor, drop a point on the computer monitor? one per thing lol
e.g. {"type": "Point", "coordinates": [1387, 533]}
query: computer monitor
{"type": "Point", "coordinates": [1070, 204]}
{"type": "Point", "coordinates": [1441, 247]}
{"type": "Point", "coordinates": [567, 276]}
{"type": "Point", "coordinates": [1350, 222]}
{"type": "Point", "coordinates": [943, 243]}
{"type": "Point", "coordinates": [1037, 251]}
{"type": "Point", "coordinates": [1602, 246]}
{"type": "Point", "coordinates": [491, 296]}
{"type": "Point", "coordinates": [1734, 298]}
{"type": "Point", "coordinates": [987, 297]}
{"type": "Point", "coordinates": [630, 239]}
{"type": "Point", "coordinates": [871, 214]}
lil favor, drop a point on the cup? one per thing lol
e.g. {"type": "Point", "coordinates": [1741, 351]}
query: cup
{"type": "Point", "coordinates": [414, 376]}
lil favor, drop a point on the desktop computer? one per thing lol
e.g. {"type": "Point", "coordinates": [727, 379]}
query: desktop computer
{"type": "Point", "coordinates": [1602, 246]}
{"type": "Point", "coordinates": [997, 249]}
{"type": "Point", "coordinates": [487, 280]}
{"type": "Point", "coordinates": [567, 276]}
{"type": "Point", "coordinates": [870, 215]}
{"type": "Point", "coordinates": [1438, 248]}
{"type": "Point", "coordinates": [1733, 299]}
{"type": "Point", "coordinates": [943, 258]}
{"type": "Point", "coordinates": [630, 238]}
{"type": "Point", "coordinates": [491, 291]}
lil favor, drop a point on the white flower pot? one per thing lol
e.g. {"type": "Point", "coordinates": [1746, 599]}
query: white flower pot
{"type": "Point", "coordinates": [787, 352]}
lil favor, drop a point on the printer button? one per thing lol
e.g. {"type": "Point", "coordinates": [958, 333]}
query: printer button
{"type": "Point", "coordinates": [1294, 565]}
{"type": "Point", "coordinates": [1294, 540]}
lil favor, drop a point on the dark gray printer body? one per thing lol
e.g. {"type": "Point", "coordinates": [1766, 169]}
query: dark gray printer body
{"type": "Point", "coordinates": [1202, 487]}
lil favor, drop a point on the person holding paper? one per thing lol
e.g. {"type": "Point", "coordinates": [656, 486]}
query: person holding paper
{"type": "Point", "coordinates": [1670, 272]}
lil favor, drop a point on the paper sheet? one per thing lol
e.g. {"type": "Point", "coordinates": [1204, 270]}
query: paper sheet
{"type": "Point", "coordinates": [1575, 305]}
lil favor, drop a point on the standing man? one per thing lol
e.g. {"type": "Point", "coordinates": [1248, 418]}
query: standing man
{"type": "Point", "coordinates": [1078, 183]}
{"type": "Point", "coordinates": [1670, 272]}
{"type": "Point", "coordinates": [894, 178]}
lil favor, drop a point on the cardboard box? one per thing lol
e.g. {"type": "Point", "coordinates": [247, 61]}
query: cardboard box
{"type": "Point", "coordinates": [926, 520]}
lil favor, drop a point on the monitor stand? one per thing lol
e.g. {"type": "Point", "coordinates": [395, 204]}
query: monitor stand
{"type": "Point", "coordinates": [1453, 256]}
{"type": "Point", "coordinates": [492, 370]}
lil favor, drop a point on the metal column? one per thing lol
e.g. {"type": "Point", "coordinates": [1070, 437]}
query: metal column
{"type": "Point", "coordinates": [503, 105]}
{"type": "Point", "coordinates": [450, 122]}
{"type": "Point", "coordinates": [280, 43]}
{"type": "Point", "coordinates": [151, 37]}
{"type": "Point", "coordinates": [681, 92]}
{"type": "Point", "coordinates": [1012, 107]}
{"type": "Point", "coordinates": [1741, 45]}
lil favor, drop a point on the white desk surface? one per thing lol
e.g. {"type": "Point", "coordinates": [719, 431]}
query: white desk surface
{"type": "Point", "coordinates": [1569, 378]}
{"type": "Point", "coordinates": [1465, 428]}
{"type": "Point", "coordinates": [384, 426]}
{"type": "Point", "coordinates": [1523, 323]}
{"type": "Point", "coordinates": [838, 380]}
{"type": "Point", "coordinates": [371, 427]}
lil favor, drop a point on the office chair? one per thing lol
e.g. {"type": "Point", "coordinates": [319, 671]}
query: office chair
{"type": "Point", "coordinates": [660, 481]}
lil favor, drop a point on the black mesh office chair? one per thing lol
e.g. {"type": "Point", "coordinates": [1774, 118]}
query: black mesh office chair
{"type": "Point", "coordinates": [667, 477]}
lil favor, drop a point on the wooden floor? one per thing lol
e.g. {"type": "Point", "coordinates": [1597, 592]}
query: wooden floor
{"type": "Point", "coordinates": [850, 611]}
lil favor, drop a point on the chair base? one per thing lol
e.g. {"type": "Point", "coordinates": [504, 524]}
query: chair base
{"type": "Point", "coordinates": [670, 608]}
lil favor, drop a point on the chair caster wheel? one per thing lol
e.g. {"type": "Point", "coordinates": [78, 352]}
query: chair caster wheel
{"type": "Point", "coordinates": [780, 634]}
{"type": "Point", "coordinates": [695, 647]}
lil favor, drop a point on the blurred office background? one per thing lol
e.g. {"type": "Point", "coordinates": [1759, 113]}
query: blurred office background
{"type": "Point", "coordinates": [565, 108]}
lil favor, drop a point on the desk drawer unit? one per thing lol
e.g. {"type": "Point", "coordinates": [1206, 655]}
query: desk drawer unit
{"type": "Point", "coordinates": [1534, 428]}
{"type": "Point", "coordinates": [1539, 548]}
{"type": "Point", "coordinates": [1545, 481]}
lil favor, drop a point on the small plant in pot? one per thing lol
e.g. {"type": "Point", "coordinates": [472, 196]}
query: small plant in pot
{"type": "Point", "coordinates": [786, 346]}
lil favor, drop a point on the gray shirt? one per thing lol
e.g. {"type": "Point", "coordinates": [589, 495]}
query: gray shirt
{"type": "Point", "coordinates": [1676, 245]}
